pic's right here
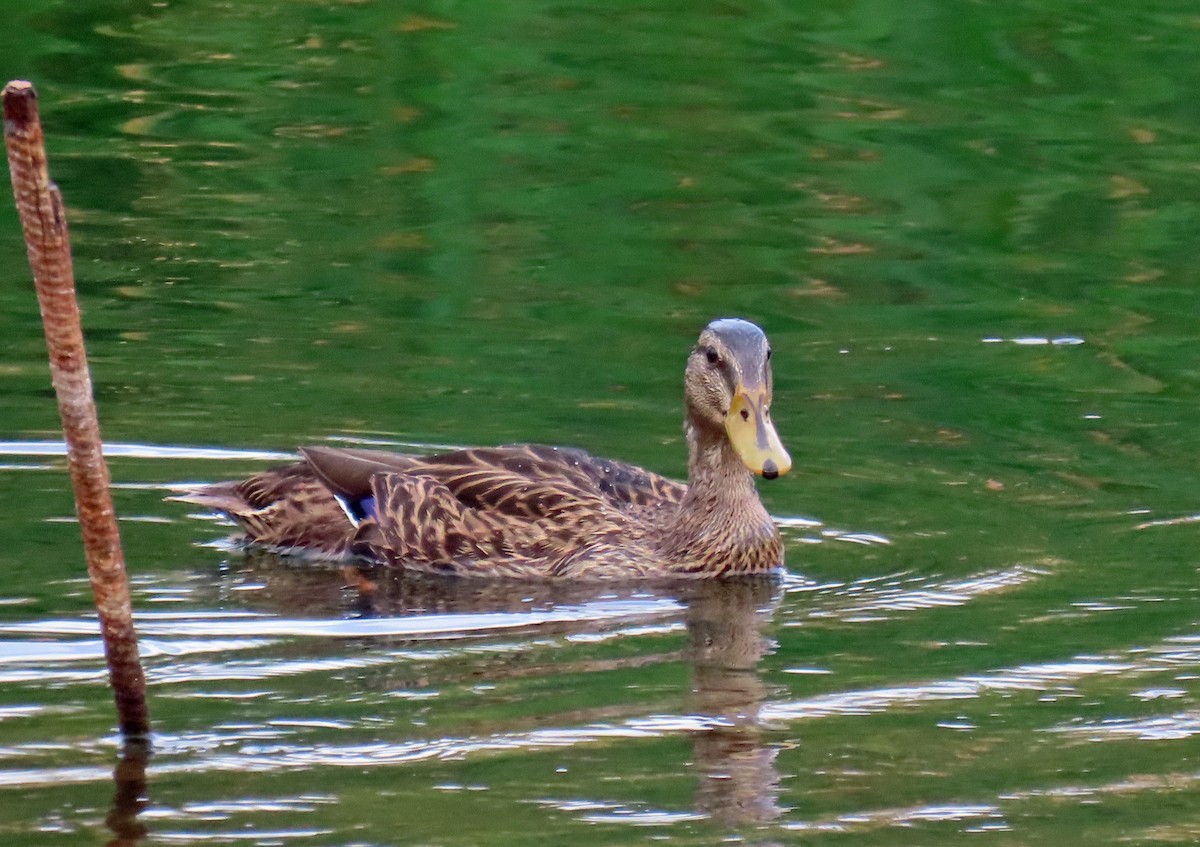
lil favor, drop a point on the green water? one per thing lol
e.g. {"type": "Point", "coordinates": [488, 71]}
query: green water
{"type": "Point", "coordinates": [969, 229]}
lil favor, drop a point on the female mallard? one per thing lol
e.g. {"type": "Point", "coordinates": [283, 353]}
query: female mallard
{"type": "Point", "coordinates": [533, 511]}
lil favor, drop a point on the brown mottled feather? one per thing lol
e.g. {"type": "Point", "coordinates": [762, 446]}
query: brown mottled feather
{"type": "Point", "coordinates": [286, 508]}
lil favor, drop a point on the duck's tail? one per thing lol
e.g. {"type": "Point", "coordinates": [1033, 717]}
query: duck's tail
{"type": "Point", "coordinates": [285, 508]}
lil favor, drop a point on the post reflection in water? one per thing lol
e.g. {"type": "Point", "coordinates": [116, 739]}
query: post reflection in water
{"type": "Point", "coordinates": [130, 796]}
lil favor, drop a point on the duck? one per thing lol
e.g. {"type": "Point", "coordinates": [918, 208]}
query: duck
{"type": "Point", "coordinates": [530, 511]}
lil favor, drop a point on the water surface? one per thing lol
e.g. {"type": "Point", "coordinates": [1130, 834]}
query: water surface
{"type": "Point", "coordinates": [969, 230]}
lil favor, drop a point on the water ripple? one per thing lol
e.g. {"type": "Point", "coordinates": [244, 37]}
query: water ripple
{"type": "Point", "coordinates": [873, 701]}
{"type": "Point", "coordinates": [642, 817]}
{"type": "Point", "coordinates": [812, 531]}
{"type": "Point", "coordinates": [450, 625]}
{"type": "Point", "coordinates": [1036, 340]}
{"type": "Point", "coordinates": [42, 652]}
{"type": "Point", "coordinates": [874, 598]}
{"type": "Point", "coordinates": [226, 810]}
{"type": "Point", "coordinates": [898, 817]}
{"type": "Point", "coordinates": [241, 748]}
{"type": "Point", "coordinates": [1160, 728]}
{"type": "Point", "coordinates": [142, 451]}
{"type": "Point", "coordinates": [256, 836]}
{"type": "Point", "coordinates": [10, 712]}
{"type": "Point", "coordinates": [598, 811]}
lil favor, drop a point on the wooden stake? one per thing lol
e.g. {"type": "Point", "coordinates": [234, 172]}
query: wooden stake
{"type": "Point", "coordinates": [44, 222]}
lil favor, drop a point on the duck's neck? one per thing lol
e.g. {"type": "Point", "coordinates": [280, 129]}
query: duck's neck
{"type": "Point", "coordinates": [721, 525]}
{"type": "Point", "coordinates": [715, 473]}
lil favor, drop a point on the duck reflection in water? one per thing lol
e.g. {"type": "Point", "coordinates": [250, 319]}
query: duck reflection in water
{"type": "Point", "coordinates": [737, 782]}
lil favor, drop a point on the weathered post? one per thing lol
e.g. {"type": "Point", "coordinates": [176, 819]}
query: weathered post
{"type": "Point", "coordinates": [43, 220]}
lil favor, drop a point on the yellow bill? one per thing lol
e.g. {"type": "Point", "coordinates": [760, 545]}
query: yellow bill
{"type": "Point", "coordinates": [753, 436]}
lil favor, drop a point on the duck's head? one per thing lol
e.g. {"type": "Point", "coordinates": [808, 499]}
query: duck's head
{"type": "Point", "coordinates": [728, 387]}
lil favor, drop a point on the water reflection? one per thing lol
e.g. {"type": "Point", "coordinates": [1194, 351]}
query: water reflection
{"type": "Point", "coordinates": [403, 648]}
{"type": "Point", "coordinates": [738, 782]}
{"type": "Point", "coordinates": [130, 796]}
{"type": "Point", "coordinates": [378, 601]}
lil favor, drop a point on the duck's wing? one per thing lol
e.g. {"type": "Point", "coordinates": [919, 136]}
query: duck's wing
{"type": "Point", "coordinates": [347, 471]}
{"type": "Point", "coordinates": [515, 510]}
{"type": "Point", "coordinates": [536, 479]}
{"type": "Point", "coordinates": [418, 522]}
{"type": "Point", "coordinates": [524, 479]}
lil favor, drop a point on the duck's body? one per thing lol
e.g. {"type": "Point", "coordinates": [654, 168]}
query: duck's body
{"type": "Point", "coordinates": [544, 512]}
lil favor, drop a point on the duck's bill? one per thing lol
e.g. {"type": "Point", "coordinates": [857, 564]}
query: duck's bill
{"type": "Point", "coordinates": [753, 436]}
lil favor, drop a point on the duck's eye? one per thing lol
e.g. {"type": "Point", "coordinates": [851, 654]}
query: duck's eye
{"type": "Point", "coordinates": [714, 358]}
{"type": "Point", "coordinates": [768, 354]}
